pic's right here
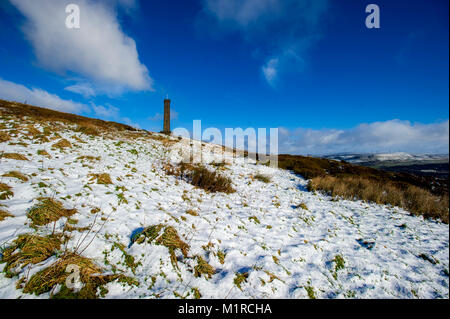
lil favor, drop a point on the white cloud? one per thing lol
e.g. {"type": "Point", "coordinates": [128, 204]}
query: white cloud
{"type": "Point", "coordinates": [108, 111]}
{"type": "Point", "coordinates": [99, 51]}
{"type": "Point", "coordinates": [20, 93]}
{"type": "Point", "coordinates": [112, 113]}
{"type": "Point", "coordinates": [270, 71]}
{"type": "Point", "coordinates": [85, 89]}
{"type": "Point", "coordinates": [281, 31]}
{"type": "Point", "coordinates": [387, 136]}
{"type": "Point", "coordinates": [17, 92]}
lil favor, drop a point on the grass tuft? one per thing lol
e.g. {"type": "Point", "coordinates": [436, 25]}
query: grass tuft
{"type": "Point", "coordinates": [88, 129]}
{"type": "Point", "coordinates": [88, 158]}
{"type": "Point", "coordinates": [163, 235]}
{"type": "Point", "coordinates": [262, 178]}
{"type": "Point", "coordinates": [62, 143]}
{"type": "Point", "coordinates": [5, 191]}
{"type": "Point", "coordinates": [102, 179]}
{"type": "Point", "coordinates": [29, 249]}
{"type": "Point", "coordinates": [4, 137]}
{"type": "Point", "coordinates": [36, 134]}
{"type": "Point", "coordinates": [4, 214]}
{"type": "Point", "coordinates": [43, 153]}
{"type": "Point", "coordinates": [302, 206]}
{"type": "Point", "coordinates": [16, 174]}
{"type": "Point", "coordinates": [56, 274]}
{"type": "Point", "coordinates": [203, 268]}
{"type": "Point", "coordinates": [239, 279]}
{"type": "Point", "coordinates": [48, 210]}
{"type": "Point", "coordinates": [14, 156]}
{"type": "Point", "coordinates": [201, 177]}
{"type": "Point", "coordinates": [191, 212]}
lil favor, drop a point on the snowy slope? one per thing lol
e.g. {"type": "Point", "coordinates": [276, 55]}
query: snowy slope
{"type": "Point", "coordinates": [327, 249]}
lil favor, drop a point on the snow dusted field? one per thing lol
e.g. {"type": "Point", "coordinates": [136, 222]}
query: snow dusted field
{"type": "Point", "coordinates": [324, 248]}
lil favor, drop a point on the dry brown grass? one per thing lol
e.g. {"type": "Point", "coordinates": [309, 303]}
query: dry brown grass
{"type": "Point", "coordinates": [29, 249]}
{"type": "Point", "coordinates": [166, 141]}
{"type": "Point", "coordinates": [48, 210]}
{"type": "Point", "coordinates": [166, 236]}
{"type": "Point", "coordinates": [203, 268]}
{"type": "Point", "coordinates": [262, 178]}
{"type": "Point", "coordinates": [191, 212]}
{"type": "Point", "coordinates": [103, 179]}
{"type": "Point", "coordinates": [56, 274]}
{"type": "Point", "coordinates": [221, 164]}
{"type": "Point", "coordinates": [4, 137]}
{"type": "Point", "coordinates": [47, 116]}
{"type": "Point", "coordinates": [310, 167]}
{"type": "Point", "coordinates": [33, 131]}
{"type": "Point", "coordinates": [79, 140]}
{"type": "Point", "coordinates": [201, 177]}
{"type": "Point", "coordinates": [89, 158]}
{"type": "Point", "coordinates": [63, 143]}
{"type": "Point", "coordinates": [413, 199]}
{"type": "Point", "coordinates": [16, 174]}
{"type": "Point", "coordinates": [14, 156]}
{"type": "Point", "coordinates": [43, 153]}
{"type": "Point", "coordinates": [4, 214]}
{"type": "Point", "coordinates": [5, 191]}
{"type": "Point", "coordinates": [88, 128]}
{"type": "Point", "coordinates": [35, 134]}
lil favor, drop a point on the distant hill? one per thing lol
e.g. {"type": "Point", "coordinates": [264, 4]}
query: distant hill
{"type": "Point", "coordinates": [433, 165]}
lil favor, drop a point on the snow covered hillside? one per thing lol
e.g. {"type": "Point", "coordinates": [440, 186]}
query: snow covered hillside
{"type": "Point", "coordinates": [270, 239]}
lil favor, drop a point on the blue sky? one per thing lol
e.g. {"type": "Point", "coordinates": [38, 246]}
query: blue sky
{"type": "Point", "coordinates": [309, 67]}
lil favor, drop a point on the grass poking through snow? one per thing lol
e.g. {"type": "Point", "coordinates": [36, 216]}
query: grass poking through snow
{"type": "Point", "coordinates": [48, 210]}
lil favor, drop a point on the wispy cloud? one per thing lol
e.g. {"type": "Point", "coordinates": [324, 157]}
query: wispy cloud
{"type": "Point", "coordinates": [387, 136]}
{"type": "Point", "coordinates": [112, 113]}
{"type": "Point", "coordinates": [99, 52]}
{"type": "Point", "coordinates": [35, 96]}
{"type": "Point", "coordinates": [281, 31]}
{"type": "Point", "coordinates": [84, 89]}
{"type": "Point", "coordinates": [106, 112]}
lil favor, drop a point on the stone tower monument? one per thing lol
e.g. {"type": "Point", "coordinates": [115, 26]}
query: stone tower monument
{"type": "Point", "coordinates": [166, 128]}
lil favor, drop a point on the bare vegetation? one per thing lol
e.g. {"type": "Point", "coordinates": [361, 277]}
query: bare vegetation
{"type": "Point", "coordinates": [5, 191]}
{"type": "Point", "coordinates": [29, 249]}
{"type": "Point", "coordinates": [201, 177]}
{"type": "Point", "coordinates": [89, 158]}
{"type": "Point", "coordinates": [4, 214]}
{"type": "Point", "coordinates": [102, 179]}
{"type": "Point", "coordinates": [48, 210]}
{"type": "Point", "coordinates": [418, 194]}
{"type": "Point", "coordinates": [166, 236]}
{"type": "Point", "coordinates": [36, 134]}
{"type": "Point", "coordinates": [412, 198]}
{"type": "Point", "coordinates": [191, 212]}
{"type": "Point", "coordinates": [4, 137]}
{"type": "Point", "coordinates": [56, 274]}
{"type": "Point", "coordinates": [88, 129]}
{"type": "Point", "coordinates": [14, 156]}
{"type": "Point", "coordinates": [203, 268]}
{"type": "Point", "coordinates": [16, 174]}
{"type": "Point", "coordinates": [262, 178]}
{"type": "Point", "coordinates": [63, 143]}
{"type": "Point", "coordinates": [43, 115]}
{"type": "Point", "coordinates": [43, 153]}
